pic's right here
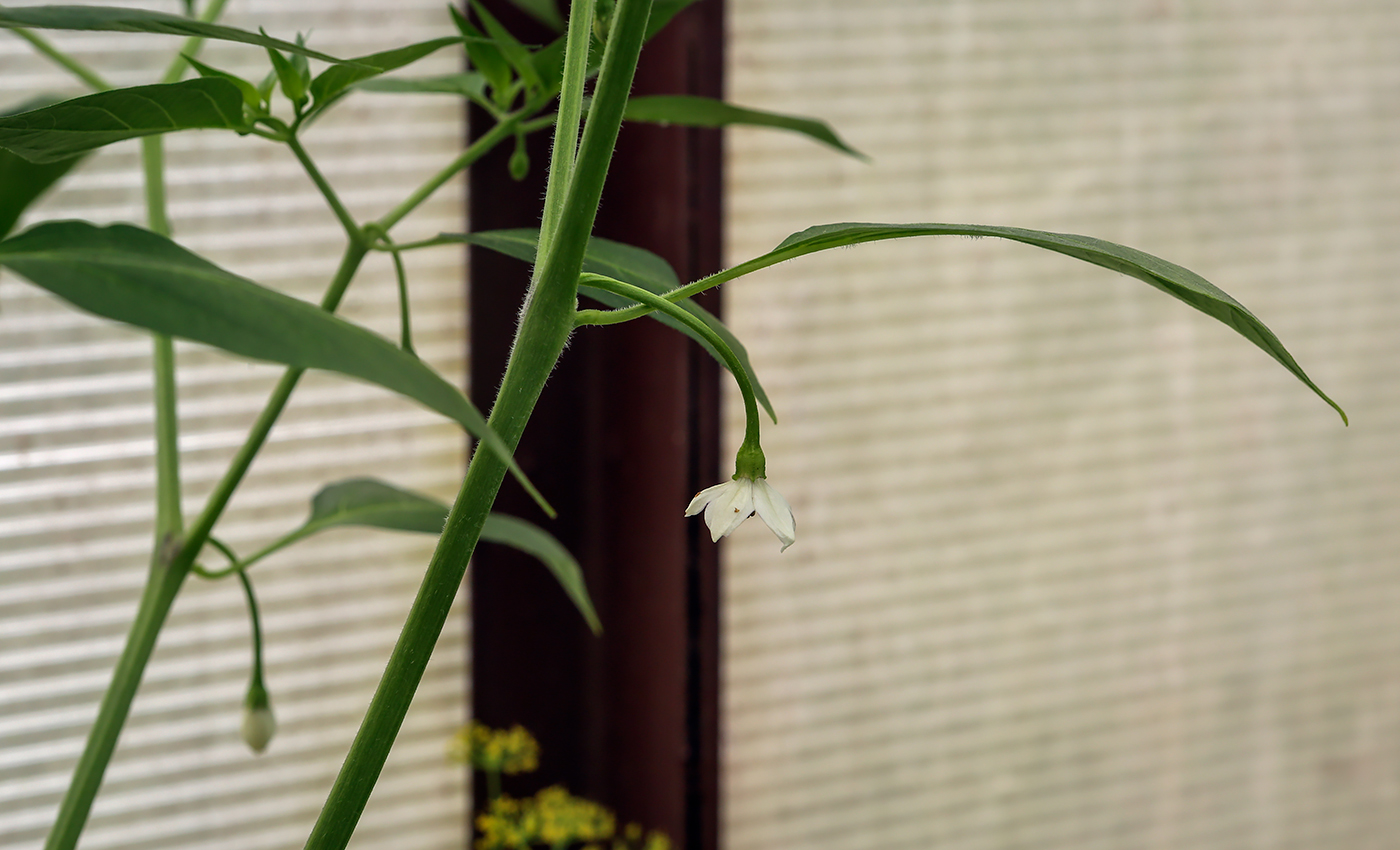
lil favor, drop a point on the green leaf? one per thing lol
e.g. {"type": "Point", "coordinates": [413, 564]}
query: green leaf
{"type": "Point", "coordinates": [469, 84]}
{"type": "Point", "coordinates": [373, 503]}
{"type": "Point", "coordinates": [662, 11]}
{"type": "Point", "coordinates": [108, 19]}
{"type": "Point", "coordinates": [484, 55]}
{"type": "Point", "coordinates": [533, 540]}
{"type": "Point", "coordinates": [293, 86]}
{"type": "Point", "coordinates": [134, 276]}
{"type": "Point", "coordinates": [251, 96]}
{"type": "Point", "coordinates": [691, 111]}
{"type": "Point", "coordinates": [76, 126]}
{"type": "Point", "coordinates": [336, 79]}
{"type": "Point", "coordinates": [514, 52]}
{"type": "Point", "coordinates": [628, 264]}
{"type": "Point", "coordinates": [23, 182]}
{"type": "Point", "coordinates": [1180, 283]}
{"type": "Point", "coordinates": [543, 11]}
{"type": "Point", "coordinates": [299, 62]}
{"type": "Point", "coordinates": [369, 502]}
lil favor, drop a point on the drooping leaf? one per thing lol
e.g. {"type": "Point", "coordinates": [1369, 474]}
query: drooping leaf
{"type": "Point", "coordinates": [469, 84]}
{"type": "Point", "coordinates": [633, 265]}
{"type": "Point", "coordinates": [23, 182]}
{"type": "Point", "coordinates": [132, 275]}
{"type": "Point", "coordinates": [336, 79]}
{"type": "Point", "coordinates": [110, 19]}
{"type": "Point", "coordinates": [76, 126]}
{"type": "Point", "coordinates": [544, 11]}
{"type": "Point", "coordinates": [369, 502]}
{"type": "Point", "coordinates": [533, 540]}
{"type": "Point", "coordinates": [1180, 283]}
{"type": "Point", "coordinates": [251, 96]}
{"type": "Point", "coordinates": [373, 503]}
{"type": "Point", "coordinates": [691, 111]}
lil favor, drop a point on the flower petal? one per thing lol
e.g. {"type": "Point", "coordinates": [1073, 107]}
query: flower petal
{"type": "Point", "coordinates": [774, 510]}
{"type": "Point", "coordinates": [703, 498]}
{"type": "Point", "coordinates": [729, 508]}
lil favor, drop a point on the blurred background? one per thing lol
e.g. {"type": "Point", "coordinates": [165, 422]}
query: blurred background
{"type": "Point", "coordinates": [1077, 567]}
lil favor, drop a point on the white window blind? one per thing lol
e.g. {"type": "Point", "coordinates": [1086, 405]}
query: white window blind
{"type": "Point", "coordinates": [76, 478]}
{"type": "Point", "coordinates": [1077, 567]}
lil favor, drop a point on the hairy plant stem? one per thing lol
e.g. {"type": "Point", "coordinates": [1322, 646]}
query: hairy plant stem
{"type": "Point", "coordinates": [544, 329]}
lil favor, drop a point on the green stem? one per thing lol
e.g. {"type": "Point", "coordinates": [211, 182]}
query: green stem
{"type": "Point", "coordinates": [656, 302]}
{"type": "Point", "coordinates": [192, 44]}
{"type": "Point", "coordinates": [401, 278]}
{"type": "Point", "coordinates": [161, 589]}
{"type": "Point", "coordinates": [169, 568]}
{"type": "Point", "coordinates": [78, 69]}
{"type": "Point", "coordinates": [169, 519]}
{"type": "Point", "coordinates": [171, 564]}
{"type": "Point", "coordinates": [153, 169]}
{"type": "Point", "coordinates": [223, 491]}
{"type": "Point", "coordinates": [476, 150]}
{"type": "Point", "coordinates": [256, 681]}
{"type": "Point", "coordinates": [561, 162]}
{"type": "Point", "coordinates": [543, 331]}
{"type": "Point", "coordinates": [347, 221]}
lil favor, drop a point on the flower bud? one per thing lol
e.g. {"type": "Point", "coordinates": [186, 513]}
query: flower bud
{"type": "Point", "coordinates": [258, 725]}
{"type": "Point", "coordinates": [519, 165]}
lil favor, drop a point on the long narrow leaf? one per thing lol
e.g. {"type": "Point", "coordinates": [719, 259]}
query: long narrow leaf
{"type": "Point", "coordinates": [469, 84]}
{"type": "Point", "coordinates": [691, 111]}
{"type": "Point", "coordinates": [134, 276]}
{"type": "Point", "coordinates": [533, 540]}
{"type": "Point", "coordinates": [335, 79]}
{"type": "Point", "coordinates": [633, 265]}
{"type": "Point", "coordinates": [73, 127]}
{"type": "Point", "coordinates": [371, 503]}
{"type": "Point", "coordinates": [109, 19]}
{"type": "Point", "coordinates": [23, 182]}
{"type": "Point", "coordinates": [1180, 283]}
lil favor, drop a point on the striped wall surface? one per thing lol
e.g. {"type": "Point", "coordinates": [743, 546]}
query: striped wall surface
{"type": "Point", "coordinates": [76, 480]}
{"type": "Point", "coordinates": [1077, 567]}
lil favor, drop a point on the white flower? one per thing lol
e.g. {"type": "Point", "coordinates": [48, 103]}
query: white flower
{"type": "Point", "coordinates": [258, 727]}
{"type": "Point", "coordinates": [727, 505]}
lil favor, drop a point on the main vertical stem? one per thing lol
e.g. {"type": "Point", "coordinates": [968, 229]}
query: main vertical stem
{"type": "Point", "coordinates": [160, 592]}
{"type": "Point", "coordinates": [544, 329]}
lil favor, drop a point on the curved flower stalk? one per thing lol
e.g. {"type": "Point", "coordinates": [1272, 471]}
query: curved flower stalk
{"type": "Point", "coordinates": [728, 504]}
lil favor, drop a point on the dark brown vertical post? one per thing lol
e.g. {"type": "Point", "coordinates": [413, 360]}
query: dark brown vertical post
{"type": "Point", "coordinates": [626, 432]}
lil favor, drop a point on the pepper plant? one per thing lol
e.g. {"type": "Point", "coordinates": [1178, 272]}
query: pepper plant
{"type": "Point", "coordinates": [576, 87]}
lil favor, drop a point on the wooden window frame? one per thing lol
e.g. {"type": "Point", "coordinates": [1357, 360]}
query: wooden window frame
{"type": "Point", "coordinates": [626, 431]}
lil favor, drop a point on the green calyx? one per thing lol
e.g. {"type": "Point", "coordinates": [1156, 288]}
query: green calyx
{"type": "Point", "coordinates": [749, 461]}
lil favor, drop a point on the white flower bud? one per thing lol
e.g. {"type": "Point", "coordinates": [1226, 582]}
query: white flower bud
{"type": "Point", "coordinates": [258, 726]}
